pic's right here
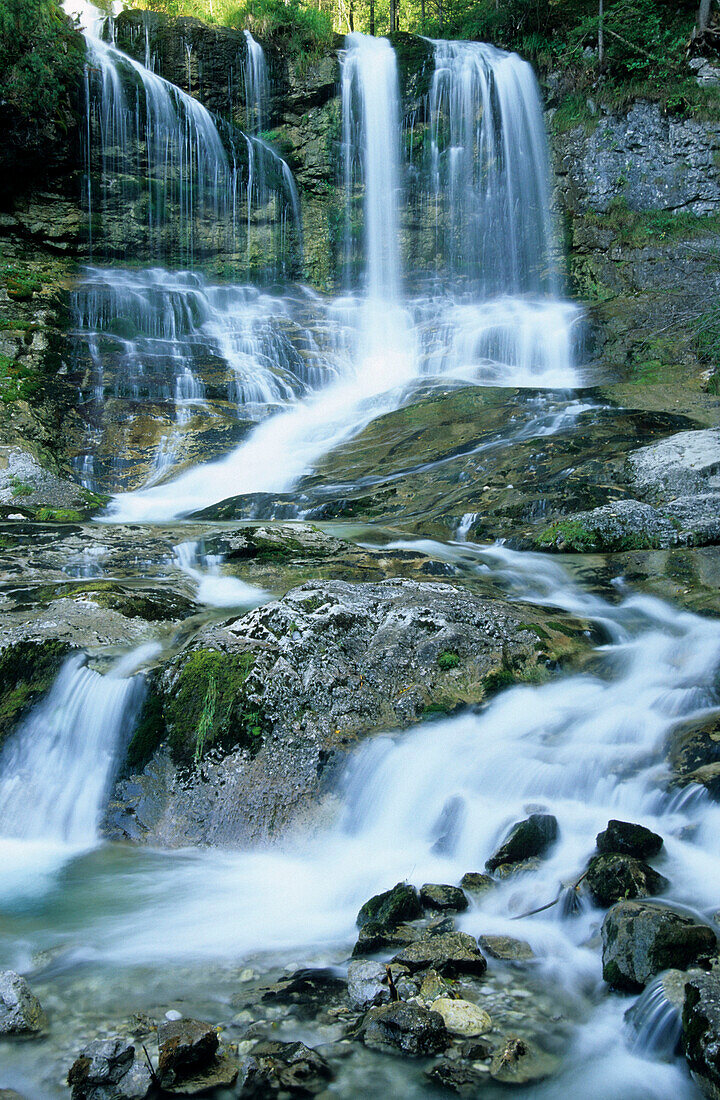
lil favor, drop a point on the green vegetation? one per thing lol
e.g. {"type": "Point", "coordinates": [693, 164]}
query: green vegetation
{"type": "Point", "coordinates": [448, 660]}
{"type": "Point", "coordinates": [58, 515]}
{"type": "Point", "coordinates": [569, 533]}
{"type": "Point", "coordinates": [27, 671]}
{"type": "Point", "coordinates": [640, 229]}
{"type": "Point", "coordinates": [17, 382]}
{"type": "Point", "coordinates": [149, 733]}
{"type": "Point", "coordinates": [209, 709]}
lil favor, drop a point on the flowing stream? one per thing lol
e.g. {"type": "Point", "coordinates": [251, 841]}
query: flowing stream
{"type": "Point", "coordinates": [294, 374]}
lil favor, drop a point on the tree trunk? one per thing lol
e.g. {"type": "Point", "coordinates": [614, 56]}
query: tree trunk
{"type": "Point", "coordinates": [422, 15]}
{"type": "Point", "coordinates": [601, 39]}
{"type": "Point", "coordinates": [393, 15]}
{"type": "Point", "coordinates": [703, 16]}
{"type": "Point", "coordinates": [372, 16]}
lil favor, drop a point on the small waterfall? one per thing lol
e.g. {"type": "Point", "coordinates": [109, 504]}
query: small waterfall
{"type": "Point", "coordinates": [257, 85]}
{"type": "Point", "coordinates": [56, 769]}
{"type": "Point", "coordinates": [655, 1019]}
{"type": "Point", "coordinates": [489, 171]}
{"type": "Point", "coordinates": [213, 588]}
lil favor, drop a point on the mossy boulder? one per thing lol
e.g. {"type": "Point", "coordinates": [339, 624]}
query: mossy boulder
{"type": "Point", "coordinates": [207, 707]}
{"type": "Point", "coordinates": [640, 939]}
{"type": "Point", "coordinates": [27, 671]}
{"type": "Point", "coordinates": [612, 877]}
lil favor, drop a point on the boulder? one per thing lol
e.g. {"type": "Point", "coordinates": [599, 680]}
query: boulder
{"type": "Point", "coordinates": [611, 878]}
{"type": "Point", "coordinates": [476, 883]}
{"type": "Point", "coordinates": [462, 1017]}
{"type": "Point", "coordinates": [528, 838]}
{"type": "Point", "coordinates": [450, 954]}
{"type": "Point", "coordinates": [367, 985]}
{"type": "Point", "coordinates": [434, 896]}
{"type": "Point", "coordinates": [701, 1030]}
{"type": "Point", "coordinates": [629, 840]}
{"type": "Point", "coordinates": [110, 1069]}
{"type": "Point", "coordinates": [405, 1029]}
{"type": "Point", "coordinates": [507, 948]}
{"type": "Point", "coordinates": [281, 1069]}
{"type": "Point", "coordinates": [373, 939]}
{"type": "Point", "coordinates": [385, 911]}
{"type": "Point", "coordinates": [518, 1061]}
{"type": "Point", "coordinates": [640, 939]}
{"type": "Point", "coordinates": [307, 991]}
{"type": "Point", "coordinates": [187, 1048]}
{"type": "Point", "coordinates": [20, 1011]}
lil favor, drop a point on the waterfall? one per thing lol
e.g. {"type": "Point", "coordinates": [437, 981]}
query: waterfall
{"type": "Point", "coordinates": [489, 171]}
{"type": "Point", "coordinates": [55, 770]}
{"type": "Point", "coordinates": [257, 85]}
{"type": "Point", "coordinates": [161, 181]}
{"type": "Point", "coordinates": [371, 129]}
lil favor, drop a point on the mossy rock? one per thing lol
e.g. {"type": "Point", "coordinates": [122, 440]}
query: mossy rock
{"type": "Point", "coordinates": [208, 707]}
{"type": "Point", "coordinates": [150, 731]}
{"type": "Point", "coordinates": [27, 671]}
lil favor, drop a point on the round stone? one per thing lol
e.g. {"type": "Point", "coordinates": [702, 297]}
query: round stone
{"type": "Point", "coordinates": [462, 1017]}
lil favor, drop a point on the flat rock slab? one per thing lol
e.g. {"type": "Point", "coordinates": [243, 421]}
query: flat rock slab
{"type": "Point", "coordinates": [683, 464]}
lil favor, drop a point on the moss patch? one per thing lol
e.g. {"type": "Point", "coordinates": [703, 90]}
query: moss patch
{"type": "Point", "coordinates": [209, 708]}
{"type": "Point", "coordinates": [27, 671]}
{"type": "Point", "coordinates": [149, 733]}
{"type": "Point", "coordinates": [448, 660]}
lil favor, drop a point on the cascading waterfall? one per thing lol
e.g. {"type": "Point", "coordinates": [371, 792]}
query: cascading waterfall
{"type": "Point", "coordinates": [56, 768]}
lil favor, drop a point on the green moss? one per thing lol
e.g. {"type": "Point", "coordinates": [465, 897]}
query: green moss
{"type": "Point", "coordinates": [27, 671]}
{"type": "Point", "coordinates": [570, 533]}
{"type": "Point", "coordinates": [59, 515]}
{"type": "Point", "coordinates": [573, 112]}
{"type": "Point", "coordinates": [20, 488]}
{"type": "Point", "coordinates": [448, 660]}
{"type": "Point", "coordinates": [209, 707]}
{"type": "Point", "coordinates": [17, 381]}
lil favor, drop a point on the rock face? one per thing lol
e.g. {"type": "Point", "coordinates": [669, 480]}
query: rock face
{"type": "Point", "coordinates": [328, 663]}
{"type": "Point", "coordinates": [682, 465]}
{"type": "Point", "coordinates": [611, 878]}
{"type": "Point", "coordinates": [641, 939]}
{"type": "Point", "coordinates": [628, 839]}
{"type": "Point", "coordinates": [20, 1011]}
{"type": "Point", "coordinates": [109, 1069]}
{"type": "Point", "coordinates": [526, 839]}
{"type": "Point", "coordinates": [701, 1030]}
{"type": "Point", "coordinates": [404, 1029]}
{"type": "Point", "coordinates": [663, 163]}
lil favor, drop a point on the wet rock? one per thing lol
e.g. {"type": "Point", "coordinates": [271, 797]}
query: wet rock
{"type": "Point", "coordinates": [684, 463]}
{"type": "Point", "coordinates": [611, 878]}
{"type": "Point", "coordinates": [476, 883]}
{"type": "Point", "coordinates": [222, 1074]}
{"type": "Point", "coordinates": [367, 985]}
{"type": "Point", "coordinates": [462, 1017]}
{"type": "Point", "coordinates": [507, 948]}
{"type": "Point", "coordinates": [308, 991]}
{"type": "Point", "coordinates": [435, 896]}
{"type": "Point", "coordinates": [701, 1030]}
{"type": "Point", "coordinates": [641, 939]}
{"type": "Point", "coordinates": [385, 911]}
{"type": "Point", "coordinates": [630, 840]}
{"type": "Point", "coordinates": [281, 1069]}
{"type": "Point", "coordinates": [528, 838]}
{"type": "Point", "coordinates": [449, 954]}
{"type": "Point", "coordinates": [110, 1069]}
{"type": "Point", "coordinates": [622, 525]}
{"type": "Point", "coordinates": [457, 1077]}
{"type": "Point", "coordinates": [10, 1094]}
{"type": "Point", "coordinates": [522, 867]}
{"type": "Point", "coordinates": [404, 1029]}
{"type": "Point", "coordinates": [519, 1061]}
{"type": "Point", "coordinates": [373, 939]}
{"type": "Point", "coordinates": [20, 1011]}
{"type": "Point", "coordinates": [656, 1015]}
{"type": "Point", "coordinates": [439, 925]}
{"type": "Point", "coordinates": [432, 987]}
{"type": "Point", "coordinates": [693, 753]}
{"type": "Point", "coordinates": [187, 1048]}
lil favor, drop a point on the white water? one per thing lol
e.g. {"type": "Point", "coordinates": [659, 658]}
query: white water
{"type": "Point", "coordinates": [213, 588]}
{"type": "Point", "coordinates": [583, 747]}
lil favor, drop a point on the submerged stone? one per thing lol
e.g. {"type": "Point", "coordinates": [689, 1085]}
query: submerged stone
{"type": "Point", "coordinates": [519, 1061]}
{"type": "Point", "coordinates": [282, 1069]}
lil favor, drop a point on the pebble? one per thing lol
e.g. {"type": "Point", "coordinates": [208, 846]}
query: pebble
{"type": "Point", "coordinates": [173, 1014]}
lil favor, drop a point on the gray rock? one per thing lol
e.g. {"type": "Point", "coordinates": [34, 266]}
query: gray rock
{"type": "Point", "coordinates": [404, 1029]}
{"type": "Point", "coordinates": [701, 1030]}
{"type": "Point", "coordinates": [528, 838]}
{"type": "Point", "coordinates": [20, 1010]}
{"type": "Point", "coordinates": [462, 1017]}
{"type": "Point", "coordinates": [684, 464]}
{"type": "Point", "coordinates": [444, 898]}
{"type": "Point", "coordinates": [367, 985]}
{"type": "Point", "coordinates": [187, 1048]}
{"type": "Point", "coordinates": [110, 1069]}
{"type": "Point", "coordinates": [640, 939]}
{"type": "Point", "coordinates": [518, 1061]}
{"type": "Point", "coordinates": [507, 948]}
{"type": "Point", "coordinates": [612, 877]}
{"type": "Point", "coordinates": [457, 1077]}
{"type": "Point", "coordinates": [449, 954]}
{"type": "Point", "coordinates": [628, 839]}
